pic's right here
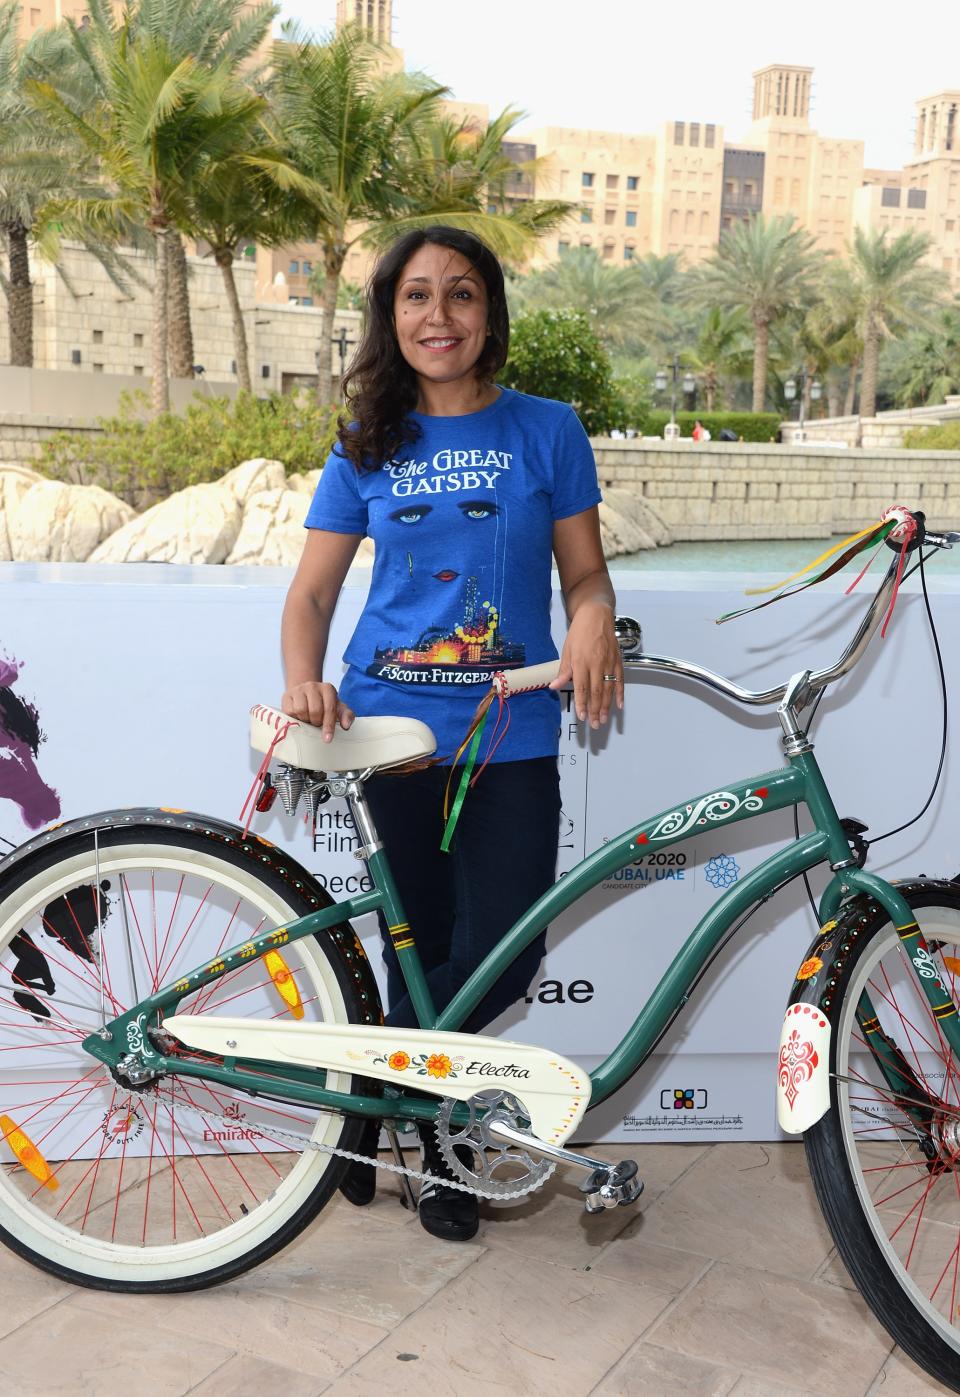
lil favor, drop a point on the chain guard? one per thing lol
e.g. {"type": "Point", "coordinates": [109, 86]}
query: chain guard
{"type": "Point", "coordinates": [501, 1171]}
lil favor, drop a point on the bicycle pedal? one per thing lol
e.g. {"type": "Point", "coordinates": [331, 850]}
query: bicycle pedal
{"type": "Point", "coordinates": [611, 1188]}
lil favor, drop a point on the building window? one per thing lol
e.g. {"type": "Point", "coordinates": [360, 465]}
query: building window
{"type": "Point", "coordinates": [34, 18]}
{"type": "Point", "coordinates": [491, 208]}
{"type": "Point", "coordinates": [678, 133]}
{"type": "Point", "coordinates": [633, 182]}
{"type": "Point", "coordinates": [950, 225]}
{"type": "Point", "coordinates": [608, 249]}
{"type": "Point", "coordinates": [98, 337]}
{"type": "Point", "coordinates": [98, 368]}
{"type": "Point", "coordinates": [563, 246]}
{"type": "Point", "coordinates": [629, 253]}
{"type": "Point", "coordinates": [613, 181]}
{"type": "Point", "coordinates": [631, 218]}
{"type": "Point", "coordinates": [709, 136]}
{"type": "Point", "coordinates": [694, 133]}
{"type": "Point", "coordinates": [307, 268]}
{"type": "Point", "coordinates": [890, 197]}
{"type": "Point", "coordinates": [749, 189]}
{"type": "Point", "coordinates": [586, 215]}
{"type": "Point", "coordinates": [916, 198]}
{"type": "Point", "coordinates": [726, 221]}
{"type": "Point", "coordinates": [306, 300]}
{"type": "Point", "coordinates": [729, 189]}
{"type": "Point", "coordinates": [586, 179]}
{"type": "Point", "coordinates": [294, 268]}
{"type": "Point", "coordinates": [138, 341]}
{"type": "Point", "coordinates": [609, 215]}
{"type": "Point", "coordinates": [138, 370]}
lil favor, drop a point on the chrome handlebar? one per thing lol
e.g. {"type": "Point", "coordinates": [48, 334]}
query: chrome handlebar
{"type": "Point", "coordinates": [628, 635]}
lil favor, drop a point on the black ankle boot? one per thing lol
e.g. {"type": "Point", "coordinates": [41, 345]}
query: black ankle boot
{"type": "Point", "coordinates": [444, 1212]}
{"type": "Point", "coordinates": [359, 1183]}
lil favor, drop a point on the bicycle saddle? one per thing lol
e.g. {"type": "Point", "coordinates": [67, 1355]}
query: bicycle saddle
{"type": "Point", "coordinates": [370, 742]}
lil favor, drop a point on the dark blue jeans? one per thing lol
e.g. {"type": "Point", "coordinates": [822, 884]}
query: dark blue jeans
{"type": "Point", "coordinates": [459, 905]}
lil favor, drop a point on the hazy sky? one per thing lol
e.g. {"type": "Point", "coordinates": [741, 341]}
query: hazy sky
{"type": "Point", "coordinates": [625, 65]}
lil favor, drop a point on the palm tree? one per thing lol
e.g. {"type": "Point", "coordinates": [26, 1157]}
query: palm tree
{"type": "Point", "coordinates": [376, 159]}
{"type": "Point", "coordinates": [347, 128]}
{"type": "Point", "coordinates": [925, 366]}
{"type": "Point", "coordinates": [237, 201]}
{"type": "Point", "coordinates": [721, 351]}
{"type": "Point", "coordinates": [216, 34]}
{"type": "Point", "coordinates": [157, 122]}
{"type": "Point", "coordinates": [620, 306]}
{"type": "Point", "coordinates": [888, 289]}
{"type": "Point", "coordinates": [765, 268]}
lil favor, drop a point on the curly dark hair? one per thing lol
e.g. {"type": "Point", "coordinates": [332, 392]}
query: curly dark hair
{"type": "Point", "coordinates": [380, 389]}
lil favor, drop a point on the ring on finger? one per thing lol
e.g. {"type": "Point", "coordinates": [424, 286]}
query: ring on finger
{"type": "Point", "coordinates": [610, 678]}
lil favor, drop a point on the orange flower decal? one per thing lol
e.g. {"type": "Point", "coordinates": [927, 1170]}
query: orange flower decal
{"type": "Point", "coordinates": [399, 1061]}
{"type": "Point", "coordinates": [809, 968]}
{"type": "Point", "coordinates": [438, 1065]}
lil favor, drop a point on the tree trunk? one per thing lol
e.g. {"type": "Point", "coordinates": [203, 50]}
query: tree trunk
{"type": "Point", "coordinates": [833, 396]}
{"type": "Point", "coordinates": [20, 296]}
{"type": "Point", "coordinates": [224, 260]}
{"type": "Point", "coordinates": [851, 396]}
{"type": "Point", "coordinates": [333, 258]}
{"type": "Point", "coordinates": [180, 331]}
{"type": "Point", "coordinates": [761, 353]}
{"type": "Point", "coordinates": [710, 389]}
{"type": "Point", "coordinates": [160, 386]}
{"type": "Point", "coordinates": [868, 383]}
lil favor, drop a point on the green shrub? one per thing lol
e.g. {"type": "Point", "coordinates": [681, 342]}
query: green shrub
{"type": "Point", "coordinates": [752, 426]}
{"type": "Point", "coordinates": [143, 461]}
{"type": "Point", "coordinates": [633, 396]}
{"type": "Point", "coordinates": [555, 354]}
{"type": "Point", "coordinates": [943, 438]}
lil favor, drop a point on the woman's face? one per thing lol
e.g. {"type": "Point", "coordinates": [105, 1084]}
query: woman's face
{"type": "Point", "coordinates": [440, 313]}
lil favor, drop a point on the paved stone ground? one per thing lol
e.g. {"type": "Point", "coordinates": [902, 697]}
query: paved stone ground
{"type": "Point", "coordinates": [724, 1281]}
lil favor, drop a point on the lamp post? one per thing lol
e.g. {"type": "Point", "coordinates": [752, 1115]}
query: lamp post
{"type": "Point", "coordinates": [790, 392]}
{"type": "Point", "coordinates": [672, 431]}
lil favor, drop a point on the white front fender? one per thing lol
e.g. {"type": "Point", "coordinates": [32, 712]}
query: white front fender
{"type": "Point", "coordinates": [803, 1068]}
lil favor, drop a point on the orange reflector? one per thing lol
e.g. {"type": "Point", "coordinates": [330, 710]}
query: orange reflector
{"type": "Point", "coordinates": [27, 1153]}
{"type": "Point", "coordinates": [952, 964]}
{"type": "Point", "coordinates": [282, 977]}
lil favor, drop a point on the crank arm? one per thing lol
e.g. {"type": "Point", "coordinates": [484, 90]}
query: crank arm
{"type": "Point", "coordinates": [509, 1134]}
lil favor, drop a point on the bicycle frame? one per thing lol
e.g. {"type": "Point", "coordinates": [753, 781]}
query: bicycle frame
{"type": "Point", "coordinates": [800, 782]}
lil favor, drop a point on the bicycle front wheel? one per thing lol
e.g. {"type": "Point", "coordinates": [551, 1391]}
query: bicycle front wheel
{"type": "Point", "coordinates": [885, 1159]}
{"type": "Point", "coordinates": [182, 1183]}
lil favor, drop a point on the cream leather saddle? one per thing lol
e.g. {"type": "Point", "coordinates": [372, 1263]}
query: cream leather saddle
{"type": "Point", "coordinates": [370, 742]}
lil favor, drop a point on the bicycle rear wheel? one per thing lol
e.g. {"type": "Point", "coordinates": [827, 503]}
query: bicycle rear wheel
{"type": "Point", "coordinates": [885, 1159]}
{"type": "Point", "coordinates": [182, 1183]}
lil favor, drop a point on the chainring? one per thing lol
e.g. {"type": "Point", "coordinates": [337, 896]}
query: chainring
{"type": "Point", "coordinates": [500, 1170]}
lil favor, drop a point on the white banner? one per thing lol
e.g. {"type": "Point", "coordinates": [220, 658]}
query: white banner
{"type": "Point", "coordinates": [140, 679]}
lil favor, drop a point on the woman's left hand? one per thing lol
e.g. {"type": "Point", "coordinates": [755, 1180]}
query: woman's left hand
{"type": "Point", "coordinates": [591, 659]}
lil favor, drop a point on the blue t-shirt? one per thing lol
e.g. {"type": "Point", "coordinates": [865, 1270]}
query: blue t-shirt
{"type": "Point", "coordinates": [463, 527]}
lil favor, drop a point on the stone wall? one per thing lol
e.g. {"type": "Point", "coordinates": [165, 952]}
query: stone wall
{"type": "Point", "coordinates": [886, 429]}
{"type": "Point", "coordinates": [741, 490]}
{"type": "Point", "coordinates": [83, 313]}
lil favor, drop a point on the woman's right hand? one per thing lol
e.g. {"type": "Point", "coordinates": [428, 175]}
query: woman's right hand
{"type": "Point", "coordinates": [316, 703]}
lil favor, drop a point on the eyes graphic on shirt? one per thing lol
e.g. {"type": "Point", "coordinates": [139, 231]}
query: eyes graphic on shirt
{"type": "Point", "coordinates": [470, 509]}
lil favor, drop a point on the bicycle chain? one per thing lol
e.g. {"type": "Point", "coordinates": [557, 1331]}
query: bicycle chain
{"type": "Point", "coordinates": [304, 1142]}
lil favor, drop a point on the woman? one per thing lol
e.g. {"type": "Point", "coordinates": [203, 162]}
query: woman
{"type": "Point", "coordinates": [467, 490]}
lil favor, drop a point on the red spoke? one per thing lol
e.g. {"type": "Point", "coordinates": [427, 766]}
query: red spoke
{"type": "Point", "coordinates": [198, 1160]}
{"type": "Point", "coordinates": [163, 948]}
{"type": "Point", "coordinates": [163, 974]}
{"type": "Point", "coordinates": [226, 1153]}
{"type": "Point", "coordinates": [146, 1201]}
{"type": "Point", "coordinates": [208, 991]}
{"type": "Point", "coordinates": [125, 891]}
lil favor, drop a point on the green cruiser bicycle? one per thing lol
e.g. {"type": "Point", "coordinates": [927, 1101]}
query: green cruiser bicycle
{"type": "Point", "coordinates": [191, 1036]}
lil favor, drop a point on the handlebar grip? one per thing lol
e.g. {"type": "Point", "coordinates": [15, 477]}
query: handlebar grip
{"type": "Point", "coordinates": [519, 681]}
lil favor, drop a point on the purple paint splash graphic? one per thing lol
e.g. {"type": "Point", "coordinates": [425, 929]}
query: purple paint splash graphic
{"type": "Point", "coordinates": [20, 739]}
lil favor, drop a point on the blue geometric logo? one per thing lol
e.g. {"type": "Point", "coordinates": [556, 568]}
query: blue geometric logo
{"type": "Point", "coordinates": [721, 871]}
